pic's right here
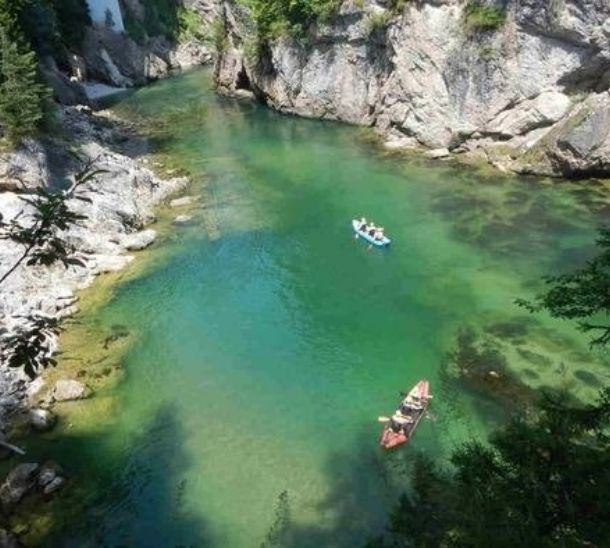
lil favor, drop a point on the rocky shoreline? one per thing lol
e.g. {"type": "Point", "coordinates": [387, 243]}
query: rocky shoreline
{"type": "Point", "coordinates": [118, 209]}
{"type": "Point", "coordinates": [530, 96]}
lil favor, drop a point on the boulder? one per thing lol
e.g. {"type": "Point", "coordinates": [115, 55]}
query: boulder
{"type": "Point", "coordinates": [111, 263]}
{"type": "Point", "coordinates": [182, 202]}
{"type": "Point", "coordinates": [68, 390]}
{"type": "Point", "coordinates": [8, 540]}
{"type": "Point", "coordinates": [65, 90]}
{"type": "Point", "coordinates": [437, 153]}
{"type": "Point", "coordinates": [546, 109]}
{"type": "Point", "coordinates": [578, 145]}
{"type": "Point", "coordinates": [47, 473]}
{"type": "Point", "coordinates": [19, 481]}
{"type": "Point", "coordinates": [183, 219]}
{"type": "Point", "coordinates": [54, 486]}
{"type": "Point", "coordinates": [42, 419]}
{"type": "Point", "coordinates": [139, 240]}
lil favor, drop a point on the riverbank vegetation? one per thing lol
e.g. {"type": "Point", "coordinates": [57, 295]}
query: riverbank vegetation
{"type": "Point", "coordinates": [275, 18]}
{"type": "Point", "coordinates": [480, 17]}
{"type": "Point", "coordinates": [542, 479]}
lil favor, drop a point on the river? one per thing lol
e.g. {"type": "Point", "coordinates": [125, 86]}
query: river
{"type": "Point", "coordinates": [266, 341]}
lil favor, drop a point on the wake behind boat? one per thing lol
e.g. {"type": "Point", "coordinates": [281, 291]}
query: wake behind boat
{"type": "Point", "coordinates": [404, 422]}
{"type": "Point", "coordinates": [372, 234]}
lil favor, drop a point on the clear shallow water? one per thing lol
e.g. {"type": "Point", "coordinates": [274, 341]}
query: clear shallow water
{"type": "Point", "coordinates": [269, 340]}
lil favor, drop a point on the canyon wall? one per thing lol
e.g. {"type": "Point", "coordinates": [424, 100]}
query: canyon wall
{"type": "Point", "coordinates": [530, 96]}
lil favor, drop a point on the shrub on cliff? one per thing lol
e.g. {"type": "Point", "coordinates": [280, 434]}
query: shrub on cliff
{"type": "Point", "coordinates": [481, 17]}
{"type": "Point", "coordinates": [276, 18]}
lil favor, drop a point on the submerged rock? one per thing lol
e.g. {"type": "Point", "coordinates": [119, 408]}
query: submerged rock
{"type": "Point", "coordinates": [42, 419]}
{"type": "Point", "coordinates": [181, 202]}
{"type": "Point", "coordinates": [437, 153]}
{"type": "Point", "coordinates": [53, 486]}
{"type": "Point", "coordinates": [67, 390]}
{"type": "Point", "coordinates": [19, 481]}
{"type": "Point", "coordinates": [183, 219]}
{"type": "Point", "coordinates": [47, 473]}
{"type": "Point", "coordinates": [139, 240]}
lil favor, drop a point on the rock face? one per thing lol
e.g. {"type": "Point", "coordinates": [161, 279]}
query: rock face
{"type": "Point", "coordinates": [422, 78]}
{"type": "Point", "coordinates": [122, 59]}
{"type": "Point", "coordinates": [119, 204]}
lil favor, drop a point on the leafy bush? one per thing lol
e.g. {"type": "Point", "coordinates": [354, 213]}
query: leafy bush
{"type": "Point", "coordinates": [276, 18]}
{"type": "Point", "coordinates": [541, 481]}
{"type": "Point", "coordinates": [378, 20]}
{"type": "Point", "coordinates": [190, 26]}
{"type": "Point", "coordinates": [161, 18]}
{"type": "Point", "coordinates": [480, 17]}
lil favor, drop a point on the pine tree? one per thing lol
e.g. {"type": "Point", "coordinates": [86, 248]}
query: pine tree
{"type": "Point", "coordinates": [22, 96]}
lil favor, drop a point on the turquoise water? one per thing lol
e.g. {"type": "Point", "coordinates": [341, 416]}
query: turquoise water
{"type": "Point", "coordinates": [268, 340]}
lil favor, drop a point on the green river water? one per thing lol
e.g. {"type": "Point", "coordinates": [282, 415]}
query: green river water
{"type": "Point", "coordinates": [266, 340]}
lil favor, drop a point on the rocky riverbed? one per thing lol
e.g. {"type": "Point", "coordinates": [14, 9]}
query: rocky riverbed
{"type": "Point", "coordinates": [118, 207]}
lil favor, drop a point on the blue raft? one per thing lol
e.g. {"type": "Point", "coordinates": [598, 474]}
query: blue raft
{"type": "Point", "coordinates": [384, 242]}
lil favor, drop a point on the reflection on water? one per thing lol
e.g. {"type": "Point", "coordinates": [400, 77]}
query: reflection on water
{"type": "Point", "coordinates": [268, 343]}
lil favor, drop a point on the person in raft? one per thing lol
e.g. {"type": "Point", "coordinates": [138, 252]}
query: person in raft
{"type": "Point", "coordinates": [379, 233]}
{"type": "Point", "coordinates": [362, 226]}
{"type": "Point", "coordinates": [372, 229]}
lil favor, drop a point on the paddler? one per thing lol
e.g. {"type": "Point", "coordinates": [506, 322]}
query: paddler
{"type": "Point", "coordinates": [362, 224]}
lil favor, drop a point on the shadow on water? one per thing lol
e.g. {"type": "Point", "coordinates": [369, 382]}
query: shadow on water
{"type": "Point", "coordinates": [363, 485]}
{"type": "Point", "coordinates": [133, 496]}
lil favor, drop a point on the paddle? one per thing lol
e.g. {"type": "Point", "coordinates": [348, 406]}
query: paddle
{"type": "Point", "coordinates": [384, 419]}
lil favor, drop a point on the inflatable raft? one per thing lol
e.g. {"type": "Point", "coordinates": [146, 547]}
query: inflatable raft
{"type": "Point", "coordinates": [407, 417]}
{"type": "Point", "coordinates": [384, 242]}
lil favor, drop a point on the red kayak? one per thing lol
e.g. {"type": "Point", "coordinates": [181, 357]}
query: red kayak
{"type": "Point", "coordinates": [402, 425]}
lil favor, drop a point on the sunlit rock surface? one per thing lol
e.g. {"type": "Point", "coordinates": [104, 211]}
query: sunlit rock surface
{"type": "Point", "coordinates": [426, 80]}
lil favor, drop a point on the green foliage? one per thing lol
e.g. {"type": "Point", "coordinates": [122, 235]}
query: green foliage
{"type": "Point", "coordinates": [219, 36]}
{"type": "Point", "coordinates": [541, 482]}
{"type": "Point", "coordinates": [21, 95]}
{"type": "Point", "coordinates": [276, 18]}
{"type": "Point", "coordinates": [190, 26]}
{"type": "Point", "coordinates": [480, 17]}
{"type": "Point", "coordinates": [161, 18]}
{"type": "Point", "coordinates": [31, 347]}
{"type": "Point", "coordinates": [583, 295]}
{"type": "Point", "coordinates": [72, 18]}
{"type": "Point", "coordinates": [50, 25]}
{"type": "Point", "coordinates": [378, 20]}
